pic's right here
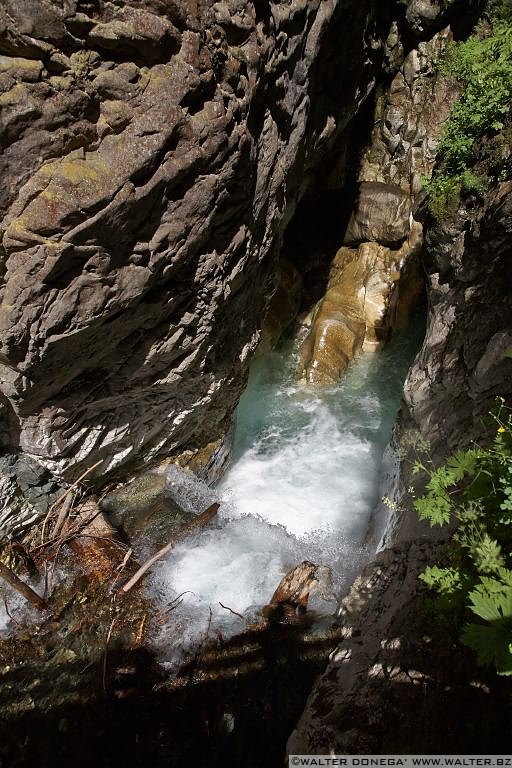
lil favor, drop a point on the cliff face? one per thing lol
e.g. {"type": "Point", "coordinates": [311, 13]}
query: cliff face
{"type": "Point", "coordinates": [152, 154]}
{"type": "Point", "coordinates": [376, 281]}
{"type": "Point", "coordinates": [463, 362]}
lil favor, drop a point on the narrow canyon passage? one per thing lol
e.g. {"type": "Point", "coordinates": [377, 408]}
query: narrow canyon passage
{"type": "Point", "coordinates": [306, 474]}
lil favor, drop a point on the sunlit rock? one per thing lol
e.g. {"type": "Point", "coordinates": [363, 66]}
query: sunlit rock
{"type": "Point", "coordinates": [153, 155]}
{"type": "Point", "coordinates": [364, 301]}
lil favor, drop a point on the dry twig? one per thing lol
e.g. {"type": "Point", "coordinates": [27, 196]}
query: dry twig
{"type": "Point", "coordinates": [63, 514]}
{"type": "Point", "coordinates": [227, 608]}
{"type": "Point", "coordinates": [105, 652]}
{"type": "Point", "coordinates": [65, 495]}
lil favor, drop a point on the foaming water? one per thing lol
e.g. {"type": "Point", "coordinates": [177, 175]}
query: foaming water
{"type": "Point", "coordinates": [305, 476]}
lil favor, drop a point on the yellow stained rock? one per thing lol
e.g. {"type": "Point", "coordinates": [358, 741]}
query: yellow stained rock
{"type": "Point", "coordinates": [364, 301]}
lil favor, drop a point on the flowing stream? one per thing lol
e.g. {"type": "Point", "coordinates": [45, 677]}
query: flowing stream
{"type": "Point", "coordinates": [306, 474]}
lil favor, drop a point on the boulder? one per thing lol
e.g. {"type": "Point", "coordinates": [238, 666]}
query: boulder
{"type": "Point", "coordinates": [381, 213]}
{"type": "Point", "coordinates": [337, 324]}
{"type": "Point", "coordinates": [145, 513]}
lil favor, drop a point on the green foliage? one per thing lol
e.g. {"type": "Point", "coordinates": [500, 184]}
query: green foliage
{"type": "Point", "coordinates": [446, 581]}
{"type": "Point", "coordinates": [482, 65]}
{"type": "Point", "coordinates": [473, 489]}
{"type": "Point", "coordinates": [500, 10]}
{"type": "Point", "coordinates": [436, 506]}
{"type": "Point", "coordinates": [491, 601]}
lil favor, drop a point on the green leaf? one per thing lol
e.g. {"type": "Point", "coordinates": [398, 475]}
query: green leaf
{"type": "Point", "coordinates": [487, 555]}
{"type": "Point", "coordinates": [492, 645]}
{"type": "Point", "coordinates": [446, 581]}
{"type": "Point", "coordinates": [434, 508]}
{"type": "Point", "coordinates": [463, 463]}
{"type": "Point", "coordinates": [491, 600]}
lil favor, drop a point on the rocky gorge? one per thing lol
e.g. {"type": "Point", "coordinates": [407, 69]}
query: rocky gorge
{"type": "Point", "coordinates": [167, 165]}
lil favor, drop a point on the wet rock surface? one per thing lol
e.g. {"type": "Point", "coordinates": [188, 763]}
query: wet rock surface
{"type": "Point", "coordinates": [144, 512]}
{"type": "Point", "coordinates": [366, 299]}
{"type": "Point", "coordinates": [375, 289]}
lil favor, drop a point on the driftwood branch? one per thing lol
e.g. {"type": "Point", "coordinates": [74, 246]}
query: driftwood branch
{"type": "Point", "coordinates": [65, 495]}
{"type": "Point", "coordinates": [20, 586]}
{"type": "Point", "coordinates": [199, 522]}
{"type": "Point", "coordinates": [63, 514]}
{"type": "Point", "coordinates": [227, 608]}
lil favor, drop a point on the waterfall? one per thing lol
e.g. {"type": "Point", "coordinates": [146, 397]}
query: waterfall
{"type": "Point", "coordinates": [307, 472]}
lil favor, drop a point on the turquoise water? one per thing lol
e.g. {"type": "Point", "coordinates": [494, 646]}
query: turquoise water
{"type": "Point", "coordinates": [304, 480]}
{"type": "Point", "coordinates": [310, 459]}
{"type": "Point", "coordinates": [305, 476]}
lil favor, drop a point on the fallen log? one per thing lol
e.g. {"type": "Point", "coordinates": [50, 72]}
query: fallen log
{"type": "Point", "coordinates": [199, 522]}
{"type": "Point", "coordinates": [290, 599]}
{"type": "Point", "coordinates": [23, 589]}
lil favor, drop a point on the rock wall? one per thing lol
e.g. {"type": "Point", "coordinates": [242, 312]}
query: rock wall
{"type": "Point", "coordinates": [394, 673]}
{"type": "Point", "coordinates": [463, 364]}
{"type": "Point", "coordinates": [152, 154]}
{"type": "Point", "coordinates": [375, 284]}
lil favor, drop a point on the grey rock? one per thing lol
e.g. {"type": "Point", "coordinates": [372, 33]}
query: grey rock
{"type": "Point", "coordinates": [490, 368]}
{"type": "Point", "coordinates": [382, 214]}
{"type": "Point", "coordinates": [144, 513]}
{"type": "Point", "coordinates": [422, 15]}
{"type": "Point", "coordinates": [409, 119]}
{"type": "Point", "coordinates": [26, 492]}
{"type": "Point", "coordinates": [27, 70]}
{"type": "Point", "coordinates": [348, 703]}
{"type": "Point", "coordinates": [462, 366]}
{"type": "Point", "coordinates": [394, 49]}
{"type": "Point", "coordinates": [426, 17]}
{"type": "Point", "coordinates": [148, 180]}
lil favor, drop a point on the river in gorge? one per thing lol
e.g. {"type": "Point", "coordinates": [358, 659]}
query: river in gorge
{"type": "Point", "coordinates": [308, 469]}
{"type": "Point", "coordinates": [306, 473]}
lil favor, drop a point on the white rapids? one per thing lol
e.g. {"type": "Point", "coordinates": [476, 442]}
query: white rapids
{"type": "Point", "coordinates": [305, 476]}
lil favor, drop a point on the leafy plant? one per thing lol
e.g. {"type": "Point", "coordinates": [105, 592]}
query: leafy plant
{"type": "Point", "coordinates": [491, 601]}
{"type": "Point", "coordinates": [482, 65]}
{"type": "Point", "coordinates": [474, 489]}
